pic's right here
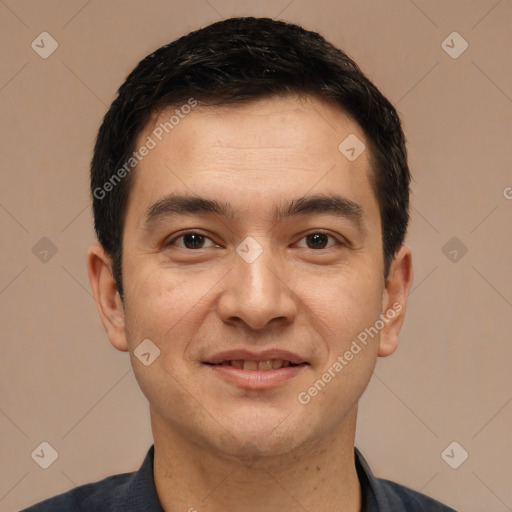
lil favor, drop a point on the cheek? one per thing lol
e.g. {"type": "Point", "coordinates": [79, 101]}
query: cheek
{"type": "Point", "coordinates": [351, 304]}
{"type": "Point", "coordinates": [160, 306]}
{"type": "Point", "coordinates": [167, 305]}
{"type": "Point", "coordinates": [344, 302]}
{"type": "Point", "coordinates": [156, 299]}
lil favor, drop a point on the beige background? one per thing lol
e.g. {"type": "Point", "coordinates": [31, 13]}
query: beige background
{"type": "Point", "coordinates": [60, 379]}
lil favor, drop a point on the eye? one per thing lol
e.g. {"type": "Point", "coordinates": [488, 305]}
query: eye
{"type": "Point", "coordinates": [195, 240]}
{"type": "Point", "coordinates": [191, 240]}
{"type": "Point", "coordinates": [319, 240]}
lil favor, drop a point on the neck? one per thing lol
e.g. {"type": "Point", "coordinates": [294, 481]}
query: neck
{"type": "Point", "coordinates": [319, 477]}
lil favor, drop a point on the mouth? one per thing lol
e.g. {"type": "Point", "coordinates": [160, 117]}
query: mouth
{"type": "Point", "coordinates": [256, 371]}
{"type": "Point", "coordinates": [262, 365]}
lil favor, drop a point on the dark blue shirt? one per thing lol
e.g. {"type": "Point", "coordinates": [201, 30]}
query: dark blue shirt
{"type": "Point", "coordinates": [135, 492]}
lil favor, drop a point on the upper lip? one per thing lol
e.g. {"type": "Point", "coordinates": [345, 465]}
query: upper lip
{"type": "Point", "coordinates": [247, 355]}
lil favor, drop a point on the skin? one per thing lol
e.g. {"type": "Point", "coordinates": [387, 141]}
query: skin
{"type": "Point", "coordinates": [219, 447]}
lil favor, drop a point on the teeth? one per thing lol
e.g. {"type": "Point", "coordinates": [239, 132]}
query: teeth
{"type": "Point", "coordinates": [265, 365]}
{"type": "Point", "coordinates": [250, 365]}
{"type": "Point", "coordinates": [269, 364]}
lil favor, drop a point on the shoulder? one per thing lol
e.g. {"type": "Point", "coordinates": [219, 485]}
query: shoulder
{"type": "Point", "coordinates": [93, 497]}
{"type": "Point", "coordinates": [400, 497]}
{"type": "Point", "coordinates": [129, 492]}
{"type": "Point", "coordinates": [381, 495]}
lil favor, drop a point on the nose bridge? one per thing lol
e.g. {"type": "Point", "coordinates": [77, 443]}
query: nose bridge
{"type": "Point", "coordinates": [256, 292]}
{"type": "Point", "coordinates": [260, 277]}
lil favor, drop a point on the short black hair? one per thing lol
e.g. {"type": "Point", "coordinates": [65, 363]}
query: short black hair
{"type": "Point", "coordinates": [239, 60]}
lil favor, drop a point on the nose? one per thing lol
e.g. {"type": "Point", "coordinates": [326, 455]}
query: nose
{"type": "Point", "coordinates": [257, 294]}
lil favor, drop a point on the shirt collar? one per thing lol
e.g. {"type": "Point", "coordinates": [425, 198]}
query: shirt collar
{"type": "Point", "coordinates": [369, 486]}
{"type": "Point", "coordinates": [141, 492]}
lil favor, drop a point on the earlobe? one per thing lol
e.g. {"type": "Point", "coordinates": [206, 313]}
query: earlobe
{"type": "Point", "coordinates": [394, 300]}
{"type": "Point", "coordinates": [108, 301]}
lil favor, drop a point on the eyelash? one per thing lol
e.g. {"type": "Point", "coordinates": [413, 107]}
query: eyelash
{"type": "Point", "coordinates": [171, 242]}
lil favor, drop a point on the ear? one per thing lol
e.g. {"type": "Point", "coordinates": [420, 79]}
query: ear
{"type": "Point", "coordinates": [108, 301]}
{"type": "Point", "coordinates": [394, 300]}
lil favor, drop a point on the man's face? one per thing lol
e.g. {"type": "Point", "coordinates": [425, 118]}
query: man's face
{"type": "Point", "coordinates": [194, 287]}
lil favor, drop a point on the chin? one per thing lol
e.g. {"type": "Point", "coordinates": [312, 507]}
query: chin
{"type": "Point", "coordinates": [256, 437]}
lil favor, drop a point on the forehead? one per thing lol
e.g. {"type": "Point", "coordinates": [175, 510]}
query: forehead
{"type": "Point", "coordinates": [265, 149]}
{"type": "Point", "coordinates": [278, 128]}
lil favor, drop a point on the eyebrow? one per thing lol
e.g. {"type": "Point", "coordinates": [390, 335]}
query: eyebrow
{"type": "Point", "coordinates": [176, 204]}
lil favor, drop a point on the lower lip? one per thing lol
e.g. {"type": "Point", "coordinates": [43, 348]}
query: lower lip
{"type": "Point", "coordinates": [256, 379]}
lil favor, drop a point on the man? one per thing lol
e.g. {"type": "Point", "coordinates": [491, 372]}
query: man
{"type": "Point", "coordinates": [250, 190]}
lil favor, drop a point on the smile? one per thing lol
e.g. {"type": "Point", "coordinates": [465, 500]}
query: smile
{"type": "Point", "coordinates": [255, 371]}
{"type": "Point", "coordinates": [248, 364]}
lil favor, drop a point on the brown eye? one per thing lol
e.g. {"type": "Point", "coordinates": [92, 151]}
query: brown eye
{"type": "Point", "coordinates": [318, 240]}
{"type": "Point", "coordinates": [191, 240]}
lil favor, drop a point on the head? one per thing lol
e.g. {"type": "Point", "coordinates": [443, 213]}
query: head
{"type": "Point", "coordinates": [237, 61]}
{"type": "Point", "coordinates": [248, 114]}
